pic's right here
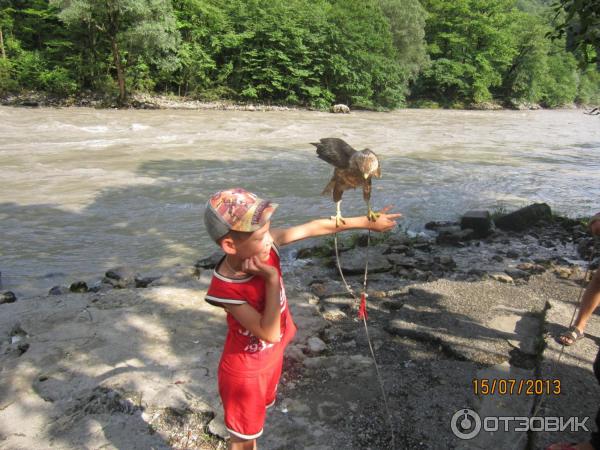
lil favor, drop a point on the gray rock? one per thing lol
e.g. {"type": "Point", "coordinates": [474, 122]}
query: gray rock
{"type": "Point", "coordinates": [79, 287]}
{"type": "Point", "coordinates": [454, 235]}
{"type": "Point", "coordinates": [120, 273]}
{"type": "Point", "coordinates": [333, 312]}
{"type": "Point", "coordinates": [57, 290]}
{"type": "Point", "coordinates": [402, 261]}
{"type": "Point", "coordinates": [327, 287]}
{"type": "Point", "coordinates": [211, 261]}
{"type": "Point", "coordinates": [479, 221]}
{"type": "Point", "coordinates": [7, 297]}
{"type": "Point", "coordinates": [294, 353]}
{"type": "Point", "coordinates": [512, 254]}
{"type": "Point", "coordinates": [178, 275]}
{"type": "Point", "coordinates": [315, 362]}
{"type": "Point", "coordinates": [524, 218]}
{"type": "Point", "coordinates": [517, 274]}
{"type": "Point", "coordinates": [121, 277]}
{"type": "Point", "coordinates": [502, 277]}
{"type": "Point", "coordinates": [437, 225]}
{"type": "Point", "coordinates": [400, 248]}
{"type": "Point", "coordinates": [316, 345]}
{"type": "Point", "coordinates": [531, 268]}
{"type": "Point", "coordinates": [217, 427]}
{"type": "Point", "coordinates": [340, 108]}
{"type": "Point", "coordinates": [144, 282]}
{"type": "Point", "coordinates": [338, 300]}
{"type": "Point", "coordinates": [353, 261]}
{"type": "Point", "coordinates": [446, 260]}
{"type": "Point", "coordinates": [17, 330]}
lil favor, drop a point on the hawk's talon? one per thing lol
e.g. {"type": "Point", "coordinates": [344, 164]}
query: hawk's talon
{"type": "Point", "coordinates": [338, 220]}
{"type": "Point", "coordinates": [373, 216]}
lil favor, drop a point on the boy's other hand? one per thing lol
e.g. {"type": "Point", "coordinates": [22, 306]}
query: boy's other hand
{"type": "Point", "coordinates": [255, 266]}
{"type": "Point", "coordinates": [385, 222]}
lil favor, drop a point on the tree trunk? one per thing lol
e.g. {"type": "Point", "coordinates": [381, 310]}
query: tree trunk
{"type": "Point", "coordinates": [2, 45]}
{"type": "Point", "coordinates": [120, 71]}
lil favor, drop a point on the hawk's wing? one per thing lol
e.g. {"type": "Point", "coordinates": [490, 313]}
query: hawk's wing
{"type": "Point", "coordinates": [335, 151]}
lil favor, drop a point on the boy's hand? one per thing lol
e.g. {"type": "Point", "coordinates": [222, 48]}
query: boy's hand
{"type": "Point", "coordinates": [385, 222]}
{"type": "Point", "coordinates": [255, 266]}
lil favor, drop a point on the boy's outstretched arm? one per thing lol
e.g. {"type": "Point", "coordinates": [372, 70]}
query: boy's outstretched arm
{"type": "Point", "coordinates": [321, 227]}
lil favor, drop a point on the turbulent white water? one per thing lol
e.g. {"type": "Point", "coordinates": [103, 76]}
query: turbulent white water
{"type": "Point", "coordinates": [85, 190]}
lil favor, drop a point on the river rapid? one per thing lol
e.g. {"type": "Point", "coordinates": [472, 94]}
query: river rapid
{"type": "Point", "coordinates": [85, 190]}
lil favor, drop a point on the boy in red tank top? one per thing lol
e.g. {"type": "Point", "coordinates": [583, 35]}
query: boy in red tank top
{"type": "Point", "coordinates": [247, 283]}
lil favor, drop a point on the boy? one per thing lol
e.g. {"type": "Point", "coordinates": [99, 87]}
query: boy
{"type": "Point", "coordinates": [247, 283]}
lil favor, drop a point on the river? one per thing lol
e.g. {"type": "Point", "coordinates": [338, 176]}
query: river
{"type": "Point", "coordinates": [85, 190]}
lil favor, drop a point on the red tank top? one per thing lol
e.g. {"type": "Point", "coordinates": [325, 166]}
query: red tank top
{"type": "Point", "coordinates": [244, 353]}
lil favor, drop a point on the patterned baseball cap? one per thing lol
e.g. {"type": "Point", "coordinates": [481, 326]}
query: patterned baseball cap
{"type": "Point", "coordinates": [238, 210]}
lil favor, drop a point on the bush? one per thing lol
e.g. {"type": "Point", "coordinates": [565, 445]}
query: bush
{"type": "Point", "coordinates": [589, 88]}
{"type": "Point", "coordinates": [7, 81]}
{"type": "Point", "coordinates": [215, 94]}
{"type": "Point", "coordinates": [28, 67]}
{"type": "Point", "coordinates": [58, 81]}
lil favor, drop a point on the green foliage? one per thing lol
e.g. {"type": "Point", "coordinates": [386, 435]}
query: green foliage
{"type": "Point", "coordinates": [589, 87]}
{"type": "Point", "coordinates": [579, 22]}
{"type": "Point", "coordinates": [469, 48]}
{"type": "Point", "coordinates": [364, 53]}
{"type": "Point", "coordinates": [57, 81]}
{"type": "Point", "coordinates": [140, 33]}
{"type": "Point", "coordinates": [7, 79]}
{"type": "Point", "coordinates": [561, 81]}
{"type": "Point", "coordinates": [525, 79]}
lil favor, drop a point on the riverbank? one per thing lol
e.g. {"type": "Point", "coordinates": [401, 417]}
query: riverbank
{"type": "Point", "coordinates": [153, 101]}
{"type": "Point", "coordinates": [136, 367]}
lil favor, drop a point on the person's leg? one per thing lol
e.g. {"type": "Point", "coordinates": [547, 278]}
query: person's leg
{"type": "Point", "coordinates": [243, 404]}
{"type": "Point", "coordinates": [589, 303]}
{"type": "Point", "coordinates": [236, 443]}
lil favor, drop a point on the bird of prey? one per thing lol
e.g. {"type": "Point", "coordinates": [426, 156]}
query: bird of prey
{"type": "Point", "coordinates": [351, 169]}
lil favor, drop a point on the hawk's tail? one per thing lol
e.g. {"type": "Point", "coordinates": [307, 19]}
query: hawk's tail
{"type": "Point", "coordinates": [329, 188]}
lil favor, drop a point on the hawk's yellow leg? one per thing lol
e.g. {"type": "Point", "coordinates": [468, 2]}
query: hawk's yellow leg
{"type": "Point", "coordinates": [372, 215]}
{"type": "Point", "coordinates": [338, 215]}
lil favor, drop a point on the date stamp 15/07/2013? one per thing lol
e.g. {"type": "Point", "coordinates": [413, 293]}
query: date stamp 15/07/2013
{"type": "Point", "coordinates": [514, 386]}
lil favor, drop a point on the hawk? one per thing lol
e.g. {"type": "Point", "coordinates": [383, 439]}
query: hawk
{"type": "Point", "coordinates": [351, 169]}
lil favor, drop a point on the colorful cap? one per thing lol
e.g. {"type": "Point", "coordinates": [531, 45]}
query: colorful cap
{"type": "Point", "coordinates": [237, 210]}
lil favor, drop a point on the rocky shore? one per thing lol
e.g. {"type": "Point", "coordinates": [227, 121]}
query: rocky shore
{"type": "Point", "coordinates": [155, 101]}
{"type": "Point", "coordinates": [131, 363]}
{"type": "Point", "coordinates": [137, 101]}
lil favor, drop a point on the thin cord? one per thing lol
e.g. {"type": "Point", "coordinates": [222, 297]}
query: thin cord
{"type": "Point", "coordinates": [364, 319]}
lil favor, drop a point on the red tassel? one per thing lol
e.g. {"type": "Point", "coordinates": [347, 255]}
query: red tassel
{"type": "Point", "coordinates": [362, 310]}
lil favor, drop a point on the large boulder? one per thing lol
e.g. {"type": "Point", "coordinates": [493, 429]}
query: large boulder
{"type": "Point", "coordinates": [340, 109]}
{"type": "Point", "coordinates": [524, 218]}
{"type": "Point", "coordinates": [453, 235]}
{"type": "Point", "coordinates": [7, 297]}
{"type": "Point", "coordinates": [211, 261]}
{"type": "Point", "coordinates": [121, 277]}
{"type": "Point", "coordinates": [478, 221]}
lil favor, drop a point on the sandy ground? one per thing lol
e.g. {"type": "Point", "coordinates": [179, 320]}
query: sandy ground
{"type": "Point", "coordinates": [136, 368]}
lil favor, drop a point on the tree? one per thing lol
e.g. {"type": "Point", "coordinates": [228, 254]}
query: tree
{"type": "Point", "coordinates": [470, 46]}
{"type": "Point", "coordinates": [579, 22]}
{"type": "Point", "coordinates": [407, 25]}
{"type": "Point", "coordinates": [134, 28]}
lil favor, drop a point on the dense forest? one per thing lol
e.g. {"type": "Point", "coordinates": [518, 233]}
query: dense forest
{"type": "Point", "coordinates": [364, 53]}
